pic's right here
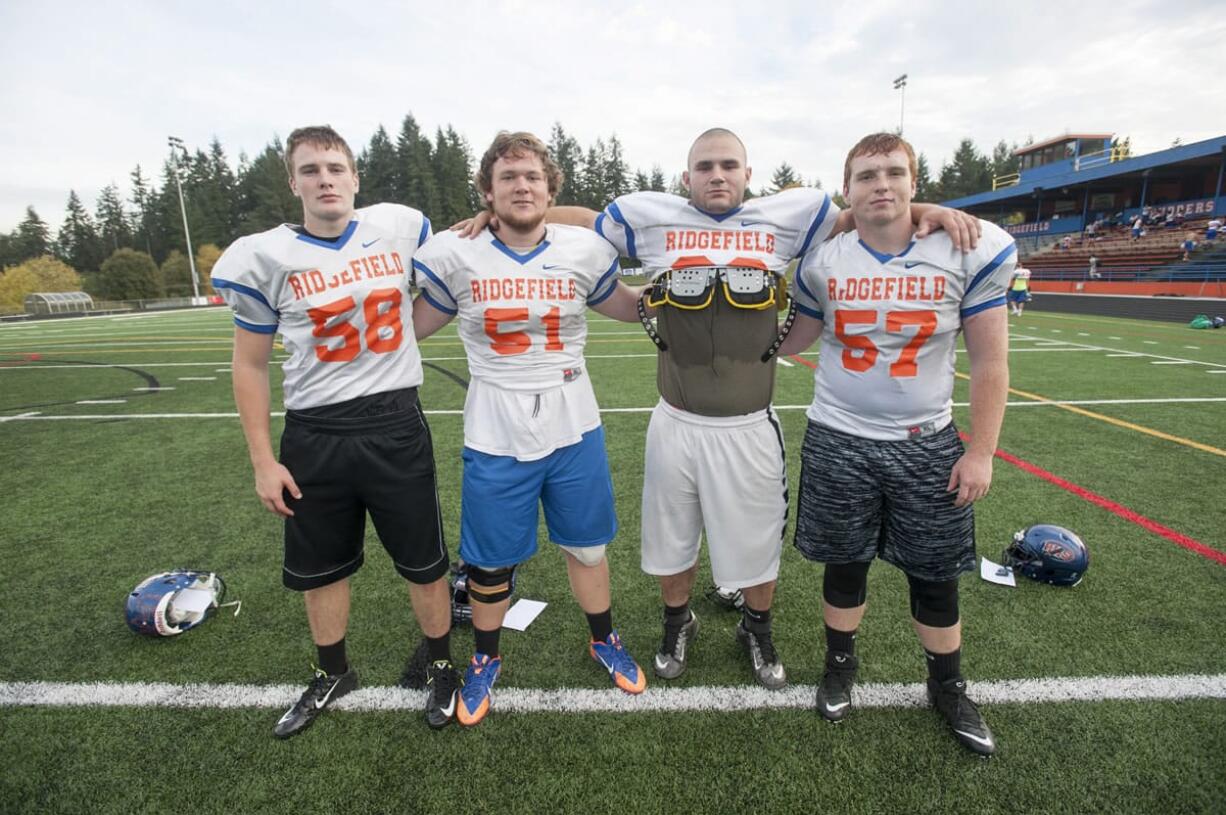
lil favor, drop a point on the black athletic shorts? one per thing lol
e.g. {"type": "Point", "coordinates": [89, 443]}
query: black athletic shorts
{"type": "Point", "coordinates": [372, 454]}
{"type": "Point", "coordinates": [862, 498]}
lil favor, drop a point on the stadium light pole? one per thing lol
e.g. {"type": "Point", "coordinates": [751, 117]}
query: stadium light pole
{"type": "Point", "coordinates": [900, 84]}
{"type": "Point", "coordinates": [176, 145]}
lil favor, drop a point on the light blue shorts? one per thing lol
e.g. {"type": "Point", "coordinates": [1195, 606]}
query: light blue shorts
{"type": "Point", "coordinates": [498, 507]}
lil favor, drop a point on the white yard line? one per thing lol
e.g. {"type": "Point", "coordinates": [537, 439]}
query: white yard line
{"type": "Point", "coordinates": [723, 699]}
{"type": "Point", "coordinates": [1123, 352]}
{"type": "Point", "coordinates": [102, 401]}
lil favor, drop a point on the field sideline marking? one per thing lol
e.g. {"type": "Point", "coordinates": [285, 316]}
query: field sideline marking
{"type": "Point", "coordinates": [1137, 353]}
{"type": "Point", "coordinates": [725, 699]}
{"type": "Point", "coordinates": [1205, 448]}
{"type": "Point", "coordinates": [1117, 509]}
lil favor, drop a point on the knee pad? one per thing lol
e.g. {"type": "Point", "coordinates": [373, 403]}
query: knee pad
{"type": "Point", "coordinates": [587, 555]}
{"type": "Point", "coordinates": [934, 603]}
{"type": "Point", "coordinates": [490, 585]}
{"type": "Point", "coordinates": [845, 585]}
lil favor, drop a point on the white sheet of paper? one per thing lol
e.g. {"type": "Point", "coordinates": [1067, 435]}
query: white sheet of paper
{"type": "Point", "coordinates": [521, 615]}
{"type": "Point", "coordinates": [996, 573]}
{"type": "Point", "coordinates": [193, 600]}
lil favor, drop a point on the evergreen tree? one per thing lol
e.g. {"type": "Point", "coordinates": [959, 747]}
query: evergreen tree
{"type": "Point", "coordinates": [379, 166]}
{"type": "Point", "coordinates": [32, 238]}
{"type": "Point", "coordinates": [784, 178]}
{"type": "Point", "coordinates": [141, 220]}
{"type": "Point", "coordinates": [641, 181]}
{"type": "Point", "coordinates": [129, 275]}
{"type": "Point", "coordinates": [615, 173]}
{"type": "Point", "coordinates": [925, 190]}
{"type": "Point", "coordinates": [591, 192]}
{"type": "Point", "coordinates": [114, 230]}
{"type": "Point", "coordinates": [453, 174]}
{"type": "Point", "coordinates": [214, 194]}
{"type": "Point", "coordinates": [968, 173]}
{"type": "Point", "coordinates": [1003, 160]}
{"type": "Point", "coordinates": [415, 157]}
{"type": "Point", "coordinates": [78, 239]}
{"type": "Point", "coordinates": [7, 252]}
{"type": "Point", "coordinates": [658, 184]}
{"type": "Point", "coordinates": [264, 196]}
{"type": "Point", "coordinates": [568, 156]}
{"type": "Point", "coordinates": [677, 187]}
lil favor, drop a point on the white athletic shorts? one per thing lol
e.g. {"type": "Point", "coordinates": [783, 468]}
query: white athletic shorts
{"type": "Point", "coordinates": [726, 474]}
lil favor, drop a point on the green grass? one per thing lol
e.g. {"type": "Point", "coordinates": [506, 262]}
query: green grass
{"type": "Point", "coordinates": [91, 506]}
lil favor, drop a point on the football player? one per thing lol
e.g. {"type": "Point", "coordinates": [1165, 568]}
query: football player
{"type": "Point", "coordinates": [355, 439]}
{"type": "Point", "coordinates": [1019, 291]}
{"type": "Point", "coordinates": [715, 454]}
{"type": "Point", "coordinates": [532, 432]}
{"type": "Point", "coordinates": [884, 473]}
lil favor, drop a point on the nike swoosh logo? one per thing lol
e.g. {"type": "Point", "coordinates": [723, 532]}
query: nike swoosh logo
{"type": "Point", "coordinates": [838, 707]}
{"type": "Point", "coordinates": [371, 243]}
{"type": "Point", "coordinates": [319, 703]}
{"type": "Point", "coordinates": [548, 266]}
{"type": "Point", "coordinates": [661, 663]}
{"type": "Point", "coordinates": [974, 738]}
{"type": "Point", "coordinates": [751, 223]}
{"type": "Point", "coordinates": [912, 264]}
{"type": "Point", "coordinates": [449, 711]}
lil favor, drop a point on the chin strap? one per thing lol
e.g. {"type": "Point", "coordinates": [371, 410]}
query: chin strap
{"type": "Point", "coordinates": [648, 325]}
{"type": "Point", "coordinates": [783, 333]}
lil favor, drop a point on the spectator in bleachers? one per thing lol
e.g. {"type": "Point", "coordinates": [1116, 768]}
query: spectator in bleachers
{"type": "Point", "coordinates": [1169, 221]}
{"type": "Point", "coordinates": [1066, 243]}
{"type": "Point", "coordinates": [1188, 246]}
{"type": "Point", "coordinates": [1211, 229]}
{"type": "Point", "coordinates": [1093, 272]}
{"type": "Point", "coordinates": [1137, 223]}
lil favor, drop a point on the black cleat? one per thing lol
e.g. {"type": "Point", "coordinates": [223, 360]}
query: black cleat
{"type": "Point", "coordinates": [670, 661]}
{"type": "Point", "coordinates": [834, 693]}
{"type": "Point", "coordinates": [323, 690]}
{"type": "Point", "coordinates": [443, 683]}
{"type": "Point", "coordinates": [949, 697]}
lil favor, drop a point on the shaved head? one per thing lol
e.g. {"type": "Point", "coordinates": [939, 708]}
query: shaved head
{"type": "Point", "coordinates": [716, 132]}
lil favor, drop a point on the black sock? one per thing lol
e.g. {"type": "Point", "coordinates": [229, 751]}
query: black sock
{"type": "Point", "coordinates": [601, 625]}
{"type": "Point", "coordinates": [943, 667]}
{"type": "Point", "coordinates": [755, 620]}
{"type": "Point", "coordinates": [439, 648]}
{"type": "Point", "coordinates": [332, 659]}
{"type": "Point", "coordinates": [487, 641]}
{"type": "Point", "coordinates": [677, 615]}
{"type": "Point", "coordinates": [844, 641]}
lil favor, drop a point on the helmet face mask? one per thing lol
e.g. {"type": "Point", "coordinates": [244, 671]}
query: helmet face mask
{"type": "Point", "coordinates": [1048, 554]}
{"type": "Point", "coordinates": [170, 603]}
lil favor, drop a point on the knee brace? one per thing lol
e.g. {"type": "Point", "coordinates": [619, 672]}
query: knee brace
{"type": "Point", "coordinates": [586, 555]}
{"type": "Point", "coordinates": [490, 585]}
{"type": "Point", "coordinates": [934, 603]}
{"type": "Point", "coordinates": [845, 585]}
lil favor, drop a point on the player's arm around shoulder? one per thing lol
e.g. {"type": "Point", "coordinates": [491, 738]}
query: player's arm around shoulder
{"type": "Point", "coordinates": [964, 230]}
{"type": "Point", "coordinates": [249, 365]}
{"type": "Point", "coordinates": [810, 317]}
{"type": "Point", "coordinates": [436, 303]}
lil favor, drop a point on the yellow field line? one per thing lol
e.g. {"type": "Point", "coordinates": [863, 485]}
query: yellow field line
{"type": "Point", "coordinates": [1158, 434]}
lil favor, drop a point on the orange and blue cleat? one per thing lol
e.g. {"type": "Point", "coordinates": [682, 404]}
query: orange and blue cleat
{"type": "Point", "coordinates": [622, 668]}
{"type": "Point", "coordinates": [479, 679]}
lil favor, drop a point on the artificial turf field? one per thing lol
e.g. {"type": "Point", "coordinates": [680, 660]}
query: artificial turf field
{"type": "Point", "coordinates": [1108, 697]}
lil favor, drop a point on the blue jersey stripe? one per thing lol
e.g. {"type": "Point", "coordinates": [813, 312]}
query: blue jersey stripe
{"type": "Point", "coordinates": [817, 222]}
{"type": "Point", "coordinates": [425, 231]}
{"type": "Point", "coordinates": [254, 294]}
{"type": "Point", "coordinates": [803, 309]}
{"type": "Point", "coordinates": [598, 299]}
{"type": "Point", "coordinates": [254, 328]}
{"type": "Point", "coordinates": [616, 214]}
{"type": "Point", "coordinates": [1000, 258]}
{"type": "Point", "coordinates": [437, 304]}
{"type": "Point", "coordinates": [968, 312]}
{"type": "Point", "coordinates": [424, 269]}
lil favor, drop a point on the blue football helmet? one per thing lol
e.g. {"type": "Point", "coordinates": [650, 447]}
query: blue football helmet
{"type": "Point", "coordinates": [171, 602]}
{"type": "Point", "coordinates": [1049, 554]}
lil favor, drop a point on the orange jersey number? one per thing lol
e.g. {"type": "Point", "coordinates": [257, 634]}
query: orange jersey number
{"type": "Point", "coordinates": [860, 352]}
{"type": "Point", "coordinates": [507, 343]}
{"type": "Point", "coordinates": [380, 309]}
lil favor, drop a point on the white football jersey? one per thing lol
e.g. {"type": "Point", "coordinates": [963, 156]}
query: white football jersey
{"type": "Point", "coordinates": [664, 230]}
{"type": "Point", "coordinates": [522, 316]}
{"type": "Point", "coordinates": [890, 327]}
{"type": "Point", "coordinates": [342, 307]}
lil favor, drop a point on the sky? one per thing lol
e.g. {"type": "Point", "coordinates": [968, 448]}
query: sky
{"type": "Point", "coordinates": [91, 89]}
